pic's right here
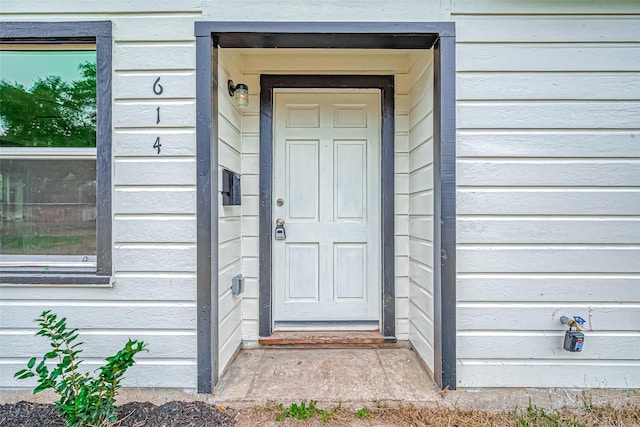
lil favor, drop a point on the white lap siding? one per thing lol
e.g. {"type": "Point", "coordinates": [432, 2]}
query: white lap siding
{"type": "Point", "coordinates": [421, 328]}
{"type": "Point", "coordinates": [153, 296]}
{"type": "Point", "coordinates": [548, 192]}
{"type": "Point", "coordinates": [229, 223]}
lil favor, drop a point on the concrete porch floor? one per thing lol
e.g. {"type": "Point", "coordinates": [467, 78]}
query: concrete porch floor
{"type": "Point", "coordinates": [365, 376]}
{"type": "Point", "coordinates": [326, 374]}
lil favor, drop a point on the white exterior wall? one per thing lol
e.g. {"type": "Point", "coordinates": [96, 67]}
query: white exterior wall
{"type": "Point", "coordinates": [255, 62]}
{"type": "Point", "coordinates": [548, 192]}
{"type": "Point", "coordinates": [548, 188]}
{"type": "Point", "coordinates": [153, 296]}
{"type": "Point", "coordinates": [421, 330]}
{"type": "Point", "coordinates": [229, 223]}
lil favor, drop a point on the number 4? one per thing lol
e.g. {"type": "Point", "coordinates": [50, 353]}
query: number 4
{"type": "Point", "coordinates": [157, 144]}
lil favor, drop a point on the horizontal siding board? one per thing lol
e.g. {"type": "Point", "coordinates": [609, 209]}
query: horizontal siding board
{"type": "Point", "coordinates": [547, 345]}
{"type": "Point", "coordinates": [152, 374]}
{"type": "Point", "coordinates": [548, 143]}
{"type": "Point", "coordinates": [553, 29]}
{"type": "Point", "coordinates": [421, 155]}
{"type": "Point", "coordinates": [317, 63]}
{"type": "Point", "coordinates": [501, 316]}
{"type": "Point", "coordinates": [176, 85]}
{"type": "Point", "coordinates": [544, 7]}
{"type": "Point", "coordinates": [154, 56]}
{"type": "Point", "coordinates": [421, 273]}
{"type": "Point", "coordinates": [421, 179]}
{"type": "Point", "coordinates": [150, 230]}
{"type": "Point", "coordinates": [174, 345]}
{"type": "Point", "coordinates": [155, 171]}
{"type": "Point", "coordinates": [150, 287]}
{"type": "Point", "coordinates": [422, 299]}
{"type": "Point", "coordinates": [102, 315]}
{"type": "Point", "coordinates": [421, 203]}
{"type": "Point", "coordinates": [551, 374]}
{"type": "Point", "coordinates": [421, 250]}
{"type": "Point", "coordinates": [422, 347]}
{"type": "Point", "coordinates": [229, 349]}
{"type": "Point", "coordinates": [140, 143]}
{"type": "Point", "coordinates": [96, 6]}
{"type": "Point", "coordinates": [548, 259]}
{"type": "Point", "coordinates": [229, 252]}
{"type": "Point", "coordinates": [421, 132]}
{"type": "Point", "coordinates": [421, 322]}
{"type": "Point", "coordinates": [150, 258]}
{"type": "Point", "coordinates": [229, 229]}
{"type": "Point", "coordinates": [551, 57]}
{"type": "Point", "coordinates": [545, 172]}
{"type": "Point", "coordinates": [421, 227]}
{"type": "Point", "coordinates": [550, 288]}
{"type": "Point", "coordinates": [548, 230]}
{"type": "Point", "coordinates": [144, 114]}
{"type": "Point", "coordinates": [516, 201]}
{"type": "Point", "coordinates": [547, 86]}
{"type": "Point", "coordinates": [177, 200]}
{"type": "Point", "coordinates": [154, 28]}
{"type": "Point", "coordinates": [548, 115]}
{"type": "Point", "coordinates": [228, 159]}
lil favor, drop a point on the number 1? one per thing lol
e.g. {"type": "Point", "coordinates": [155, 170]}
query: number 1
{"type": "Point", "coordinates": [158, 119]}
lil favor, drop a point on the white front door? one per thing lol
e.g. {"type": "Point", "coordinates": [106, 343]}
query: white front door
{"type": "Point", "coordinates": [326, 188]}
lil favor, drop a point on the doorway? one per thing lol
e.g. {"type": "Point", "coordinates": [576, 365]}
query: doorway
{"type": "Point", "coordinates": [326, 187]}
{"type": "Point", "coordinates": [316, 100]}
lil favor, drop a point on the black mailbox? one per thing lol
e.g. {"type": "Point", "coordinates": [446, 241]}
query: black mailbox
{"type": "Point", "coordinates": [231, 194]}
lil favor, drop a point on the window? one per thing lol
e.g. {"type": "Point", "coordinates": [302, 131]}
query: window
{"type": "Point", "coordinates": [55, 152]}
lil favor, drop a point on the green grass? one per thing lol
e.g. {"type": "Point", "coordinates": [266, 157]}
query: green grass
{"type": "Point", "coordinates": [37, 244]}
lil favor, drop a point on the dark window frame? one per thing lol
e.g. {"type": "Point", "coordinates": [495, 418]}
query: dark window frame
{"type": "Point", "coordinates": [81, 32]}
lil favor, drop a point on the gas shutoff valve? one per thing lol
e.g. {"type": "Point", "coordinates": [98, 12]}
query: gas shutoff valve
{"type": "Point", "coordinates": [573, 339]}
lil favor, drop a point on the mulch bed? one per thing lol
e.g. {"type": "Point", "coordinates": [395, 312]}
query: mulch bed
{"type": "Point", "coordinates": [135, 414]}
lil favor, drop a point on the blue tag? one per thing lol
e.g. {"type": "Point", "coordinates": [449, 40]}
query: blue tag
{"type": "Point", "coordinates": [579, 320]}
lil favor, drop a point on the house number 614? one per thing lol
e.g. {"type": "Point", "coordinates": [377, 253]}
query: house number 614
{"type": "Point", "coordinates": [157, 89]}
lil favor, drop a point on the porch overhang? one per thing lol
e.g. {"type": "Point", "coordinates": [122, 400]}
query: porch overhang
{"type": "Point", "coordinates": [344, 35]}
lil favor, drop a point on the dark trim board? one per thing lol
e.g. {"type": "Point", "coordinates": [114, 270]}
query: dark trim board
{"type": "Point", "coordinates": [100, 33]}
{"type": "Point", "coordinates": [386, 85]}
{"type": "Point", "coordinates": [354, 35]}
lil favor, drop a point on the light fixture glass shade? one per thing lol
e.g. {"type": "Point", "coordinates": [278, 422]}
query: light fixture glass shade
{"type": "Point", "coordinates": [241, 96]}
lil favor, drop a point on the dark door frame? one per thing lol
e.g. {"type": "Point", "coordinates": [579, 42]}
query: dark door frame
{"type": "Point", "coordinates": [355, 35]}
{"type": "Point", "coordinates": [386, 86]}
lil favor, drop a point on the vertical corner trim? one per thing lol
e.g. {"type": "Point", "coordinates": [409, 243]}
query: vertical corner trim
{"type": "Point", "coordinates": [206, 204]}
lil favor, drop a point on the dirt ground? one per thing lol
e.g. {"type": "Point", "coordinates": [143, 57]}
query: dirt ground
{"type": "Point", "coordinates": [201, 414]}
{"type": "Point", "coordinates": [134, 414]}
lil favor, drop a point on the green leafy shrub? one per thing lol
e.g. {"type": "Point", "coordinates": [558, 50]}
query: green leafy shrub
{"type": "Point", "coordinates": [85, 400]}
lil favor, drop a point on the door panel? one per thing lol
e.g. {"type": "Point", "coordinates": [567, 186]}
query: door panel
{"type": "Point", "coordinates": [302, 179]}
{"type": "Point", "coordinates": [302, 272]}
{"type": "Point", "coordinates": [326, 163]}
{"type": "Point", "coordinates": [350, 180]}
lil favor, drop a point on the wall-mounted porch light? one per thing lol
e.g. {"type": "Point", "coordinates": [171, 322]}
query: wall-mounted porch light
{"type": "Point", "coordinates": [240, 94]}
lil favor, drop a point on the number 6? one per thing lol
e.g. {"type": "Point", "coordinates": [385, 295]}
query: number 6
{"type": "Point", "coordinates": [157, 87]}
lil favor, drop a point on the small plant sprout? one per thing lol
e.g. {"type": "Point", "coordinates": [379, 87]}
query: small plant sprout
{"type": "Point", "coordinates": [363, 413]}
{"type": "Point", "coordinates": [84, 400]}
{"type": "Point", "coordinates": [303, 411]}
